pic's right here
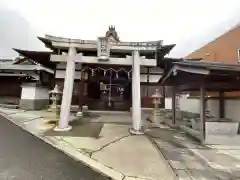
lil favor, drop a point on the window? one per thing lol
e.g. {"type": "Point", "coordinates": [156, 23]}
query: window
{"type": "Point", "coordinates": [238, 54]}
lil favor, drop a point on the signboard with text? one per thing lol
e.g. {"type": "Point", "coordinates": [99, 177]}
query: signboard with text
{"type": "Point", "coordinates": [103, 48]}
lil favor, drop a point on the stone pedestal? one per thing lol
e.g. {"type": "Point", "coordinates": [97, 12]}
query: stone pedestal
{"type": "Point", "coordinates": [83, 110]}
{"type": "Point", "coordinates": [56, 101]}
{"type": "Point", "coordinates": [156, 114]}
{"type": "Point", "coordinates": [33, 97]}
{"type": "Point", "coordinates": [79, 114]}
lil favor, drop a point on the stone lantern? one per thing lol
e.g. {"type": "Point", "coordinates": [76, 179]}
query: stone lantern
{"type": "Point", "coordinates": [156, 110]}
{"type": "Point", "coordinates": [55, 96]}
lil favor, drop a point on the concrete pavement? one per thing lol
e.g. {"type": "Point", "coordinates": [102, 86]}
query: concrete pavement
{"type": "Point", "coordinates": [103, 143]}
{"type": "Point", "coordinates": [191, 160]}
{"type": "Point", "coordinates": [25, 157]}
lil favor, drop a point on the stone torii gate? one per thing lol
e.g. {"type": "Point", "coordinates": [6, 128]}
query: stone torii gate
{"type": "Point", "coordinates": [135, 60]}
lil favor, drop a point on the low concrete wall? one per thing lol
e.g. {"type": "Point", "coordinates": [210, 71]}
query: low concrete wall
{"type": "Point", "coordinates": [221, 133]}
{"type": "Point", "coordinates": [9, 100]}
{"type": "Point", "coordinates": [33, 104]}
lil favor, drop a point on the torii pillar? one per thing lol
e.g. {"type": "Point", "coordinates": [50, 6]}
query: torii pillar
{"type": "Point", "coordinates": [136, 96]}
{"type": "Point", "coordinates": [67, 92]}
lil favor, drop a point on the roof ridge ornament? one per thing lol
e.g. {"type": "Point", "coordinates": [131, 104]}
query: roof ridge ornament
{"type": "Point", "coordinates": [111, 34]}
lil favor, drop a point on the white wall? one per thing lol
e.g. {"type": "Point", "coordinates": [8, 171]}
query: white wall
{"type": "Point", "coordinates": [62, 65]}
{"type": "Point", "coordinates": [41, 93]}
{"type": "Point", "coordinates": [193, 105]}
{"type": "Point", "coordinates": [32, 92]}
{"type": "Point", "coordinates": [168, 103]}
{"type": "Point", "coordinates": [232, 109]}
{"type": "Point", "coordinates": [28, 92]}
{"type": "Point", "coordinates": [61, 74]}
{"type": "Point", "coordinates": [152, 78]}
{"type": "Point", "coordinates": [213, 107]}
{"type": "Point", "coordinates": [155, 70]}
{"type": "Point", "coordinates": [189, 105]}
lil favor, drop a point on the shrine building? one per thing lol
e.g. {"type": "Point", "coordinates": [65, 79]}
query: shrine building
{"type": "Point", "coordinates": [103, 74]}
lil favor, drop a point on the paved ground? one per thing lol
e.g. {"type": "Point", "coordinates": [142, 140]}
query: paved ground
{"type": "Point", "coordinates": [176, 147]}
{"type": "Point", "coordinates": [103, 142]}
{"type": "Point", "coordinates": [23, 156]}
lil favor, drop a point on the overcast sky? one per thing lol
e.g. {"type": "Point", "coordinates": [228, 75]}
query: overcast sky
{"type": "Point", "coordinates": [188, 23]}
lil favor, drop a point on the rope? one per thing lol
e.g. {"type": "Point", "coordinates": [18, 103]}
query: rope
{"type": "Point", "coordinates": [128, 72]}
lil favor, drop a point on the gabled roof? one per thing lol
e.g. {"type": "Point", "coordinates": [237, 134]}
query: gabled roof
{"type": "Point", "coordinates": [17, 67]}
{"type": "Point", "coordinates": [209, 65]}
{"type": "Point", "coordinates": [168, 61]}
{"type": "Point", "coordinates": [146, 48]}
{"type": "Point", "coordinates": [41, 57]}
{"type": "Point", "coordinates": [6, 61]}
{"type": "Point", "coordinates": [21, 61]}
{"type": "Point", "coordinates": [162, 51]}
{"type": "Point", "coordinates": [190, 75]}
{"type": "Point", "coordinates": [4, 74]}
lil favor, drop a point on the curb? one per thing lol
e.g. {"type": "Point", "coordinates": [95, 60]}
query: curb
{"type": "Point", "coordinates": [75, 154]}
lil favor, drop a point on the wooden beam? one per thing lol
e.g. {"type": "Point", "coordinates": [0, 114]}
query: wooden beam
{"type": "Point", "coordinates": [163, 95]}
{"type": "Point", "coordinates": [221, 104]}
{"type": "Point", "coordinates": [173, 105]}
{"type": "Point", "coordinates": [81, 91]}
{"type": "Point", "coordinates": [211, 86]}
{"type": "Point", "coordinates": [164, 78]}
{"type": "Point", "coordinates": [198, 71]}
{"type": "Point", "coordinates": [202, 114]}
{"type": "Point", "coordinates": [147, 80]}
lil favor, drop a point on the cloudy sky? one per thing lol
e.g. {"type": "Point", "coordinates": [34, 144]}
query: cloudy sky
{"type": "Point", "coordinates": [188, 23]}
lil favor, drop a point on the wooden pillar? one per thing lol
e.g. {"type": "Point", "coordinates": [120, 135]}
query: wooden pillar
{"type": "Point", "coordinates": [81, 91]}
{"type": "Point", "coordinates": [173, 105]}
{"type": "Point", "coordinates": [163, 96]}
{"type": "Point", "coordinates": [221, 104]}
{"type": "Point", "coordinates": [202, 114]}
{"type": "Point", "coordinates": [148, 81]}
{"type": "Point", "coordinates": [54, 76]}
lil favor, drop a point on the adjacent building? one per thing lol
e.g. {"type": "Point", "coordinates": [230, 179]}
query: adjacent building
{"type": "Point", "coordinates": [224, 49]}
{"type": "Point", "coordinates": [25, 82]}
